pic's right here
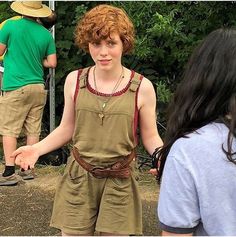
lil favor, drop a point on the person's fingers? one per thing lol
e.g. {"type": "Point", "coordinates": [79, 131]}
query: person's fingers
{"type": "Point", "coordinates": [23, 157]}
{"type": "Point", "coordinates": [21, 161]}
{"type": "Point", "coordinates": [24, 165]}
{"type": "Point", "coordinates": [16, 153]}
{"type": "Point", "coordinates": [18, 159]}
{"type": "Point", "coordinates": [153, 172]}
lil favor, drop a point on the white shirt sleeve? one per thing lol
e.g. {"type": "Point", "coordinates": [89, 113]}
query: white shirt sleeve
{"type": "Point", "coordinates": [178, 208]}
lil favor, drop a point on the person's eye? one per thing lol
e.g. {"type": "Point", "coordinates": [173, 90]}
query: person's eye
{"type": "Point", "coordinates": [96, 44]}
{"type": "Point", "coordinates": [111, 43]}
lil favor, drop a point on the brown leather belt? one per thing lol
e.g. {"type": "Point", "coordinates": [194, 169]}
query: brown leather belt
{"type": "Point", "coordinates": [120, 169]}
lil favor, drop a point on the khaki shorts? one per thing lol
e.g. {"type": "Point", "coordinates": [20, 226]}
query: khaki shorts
{"type": "Point", "coordinates": [22, 109]}
{"type": "Point", "coordinates": [84, 204]}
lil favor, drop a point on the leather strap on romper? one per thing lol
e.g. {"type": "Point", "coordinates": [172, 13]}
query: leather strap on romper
{"type": "Point", "coordinates": [81, 80]}
{"type": "Point", "coordinates": [134, 87]}
{"type": "Point", "coordinates": [120, 169]}
{"type": "Point", "coordinates": [135, 82]}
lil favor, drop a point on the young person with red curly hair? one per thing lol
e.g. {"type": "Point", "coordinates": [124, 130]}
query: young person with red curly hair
{"type": "Point", "coordinates": [104, 104]}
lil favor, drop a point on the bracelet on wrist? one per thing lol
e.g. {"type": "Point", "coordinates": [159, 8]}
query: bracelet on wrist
{"type": "Point", "coordinates": [155, 158]}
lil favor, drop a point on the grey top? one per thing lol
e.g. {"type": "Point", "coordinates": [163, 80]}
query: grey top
{"type": "Point", "coordinates": [198, 189]}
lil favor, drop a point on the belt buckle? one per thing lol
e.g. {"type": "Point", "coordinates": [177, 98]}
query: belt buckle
{"type": "Point", "coordinates": [93, 170]}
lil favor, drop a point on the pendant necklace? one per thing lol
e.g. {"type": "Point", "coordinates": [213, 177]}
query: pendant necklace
{"type": "Point", "coordinates": [101, 114]}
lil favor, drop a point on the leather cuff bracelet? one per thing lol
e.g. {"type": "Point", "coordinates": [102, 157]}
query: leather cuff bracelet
{"type": "Point", "coordinates": [155, 158]}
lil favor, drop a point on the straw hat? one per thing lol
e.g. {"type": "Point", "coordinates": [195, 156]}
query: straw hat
{"type": "Point", "coordinates": [31, 8]}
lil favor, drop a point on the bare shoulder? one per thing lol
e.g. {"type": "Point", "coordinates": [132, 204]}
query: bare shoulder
{"type": "Point", "coordinates": [146, 94]}
{"type": "Point", "coordinates": [71, 77]}
{"type": "Point", "coordinates": [146, 86]}
{"type": "Point", "coordinates": [70, 82]}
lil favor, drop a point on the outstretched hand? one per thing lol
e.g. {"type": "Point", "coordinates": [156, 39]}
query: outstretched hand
{"type": "Point", "coordinates": [25, 157]}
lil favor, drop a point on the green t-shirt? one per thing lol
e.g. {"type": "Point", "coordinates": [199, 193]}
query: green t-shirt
{"type": "Point", "coordinates": [28, 43]}
{"type": "Point", "coordinates": [3, 23]}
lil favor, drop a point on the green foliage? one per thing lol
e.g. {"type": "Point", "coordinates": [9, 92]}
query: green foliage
{"type": "Point", "coordinates": [163, 92]}
{"type": "Point", "coordinates": [166, 34]}
{"type": "Point", "coordinates": [5, 11]}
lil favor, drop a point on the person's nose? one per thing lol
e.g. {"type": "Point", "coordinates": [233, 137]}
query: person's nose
{"type": "Point", "coordinates": [104, 51]}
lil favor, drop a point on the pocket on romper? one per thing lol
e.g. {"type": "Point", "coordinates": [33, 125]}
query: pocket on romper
{"type": "Point", "coordinates": [76, 185]}
{"type": "Point", "coordinates": [76, 173]}
{"type": "Point", "coordinates": [119, 191]}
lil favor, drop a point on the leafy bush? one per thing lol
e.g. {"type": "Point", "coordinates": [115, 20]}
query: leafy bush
{"type": "Point", "coordinates": [166, 33]}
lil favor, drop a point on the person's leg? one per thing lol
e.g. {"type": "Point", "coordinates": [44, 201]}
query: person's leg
{"type": "Point", "coordinates": [9, 145]}
{"type": "Point", "coordinates": [8, 177]}
{"type": "Point", "coordinates": [36, 98]}
{"type": "Point", "coordinates": [13, 113]}
{"type": "Point", "coordinates": [32, 125]}
{"type": "Point", "coordinates": [29, 174]}
{"type": "Point", "coordinates": [31, 140]}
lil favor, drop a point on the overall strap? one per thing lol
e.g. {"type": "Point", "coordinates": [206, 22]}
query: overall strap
{"type": "Point", "coordinates": [137, 78]}
{"type": "Point", "coordinates": [81, 80]}
{"type": "Point", "coordinates": [134, 87]}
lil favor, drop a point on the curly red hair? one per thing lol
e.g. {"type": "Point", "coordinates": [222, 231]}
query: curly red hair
{"type": "Point", "coordinates": [100, 22]}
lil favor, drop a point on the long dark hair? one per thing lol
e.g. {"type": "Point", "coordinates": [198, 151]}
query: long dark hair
{"type": "Point", "coordinates": [206, 93]}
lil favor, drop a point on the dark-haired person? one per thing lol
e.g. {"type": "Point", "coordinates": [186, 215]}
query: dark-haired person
{"type": "Point", "coordinates": [50, 21]}
{"type": "Point", "coordinates": [27, 47]}
{"type": "Point", "coordinates": [198, 161]}
{"type": "Point", "coordinates": [104, 104]}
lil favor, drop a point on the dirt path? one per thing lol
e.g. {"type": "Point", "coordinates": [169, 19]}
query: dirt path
{"type": "Point", "coordinates": [25, 209]}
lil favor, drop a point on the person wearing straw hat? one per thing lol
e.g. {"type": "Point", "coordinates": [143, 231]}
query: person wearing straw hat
{"type": "Point", "coordinates": [48, 22]}
{"type": "Point", "coordinates": [28, 47]}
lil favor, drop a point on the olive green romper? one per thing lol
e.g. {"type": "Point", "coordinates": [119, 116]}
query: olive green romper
{"type": "Point", "coordinates": [84, 204]}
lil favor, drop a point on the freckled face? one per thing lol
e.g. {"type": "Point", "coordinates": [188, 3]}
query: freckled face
{"type": "Point", "coordinates": [107, 53]}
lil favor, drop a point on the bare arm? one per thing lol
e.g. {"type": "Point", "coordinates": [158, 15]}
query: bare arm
{"type": "Point", "coordinates": [63, 133]}
{"type": "Point", "coordinates": [165, 233]}
{"type": "Point", "coordinates": [28, 155]}
{"type": "Point", "coordinates": [50, 61]}
{"type": "Point", "coordinates": [147, 114]}
{"type": "Point", "coordinates": [2, 49]}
